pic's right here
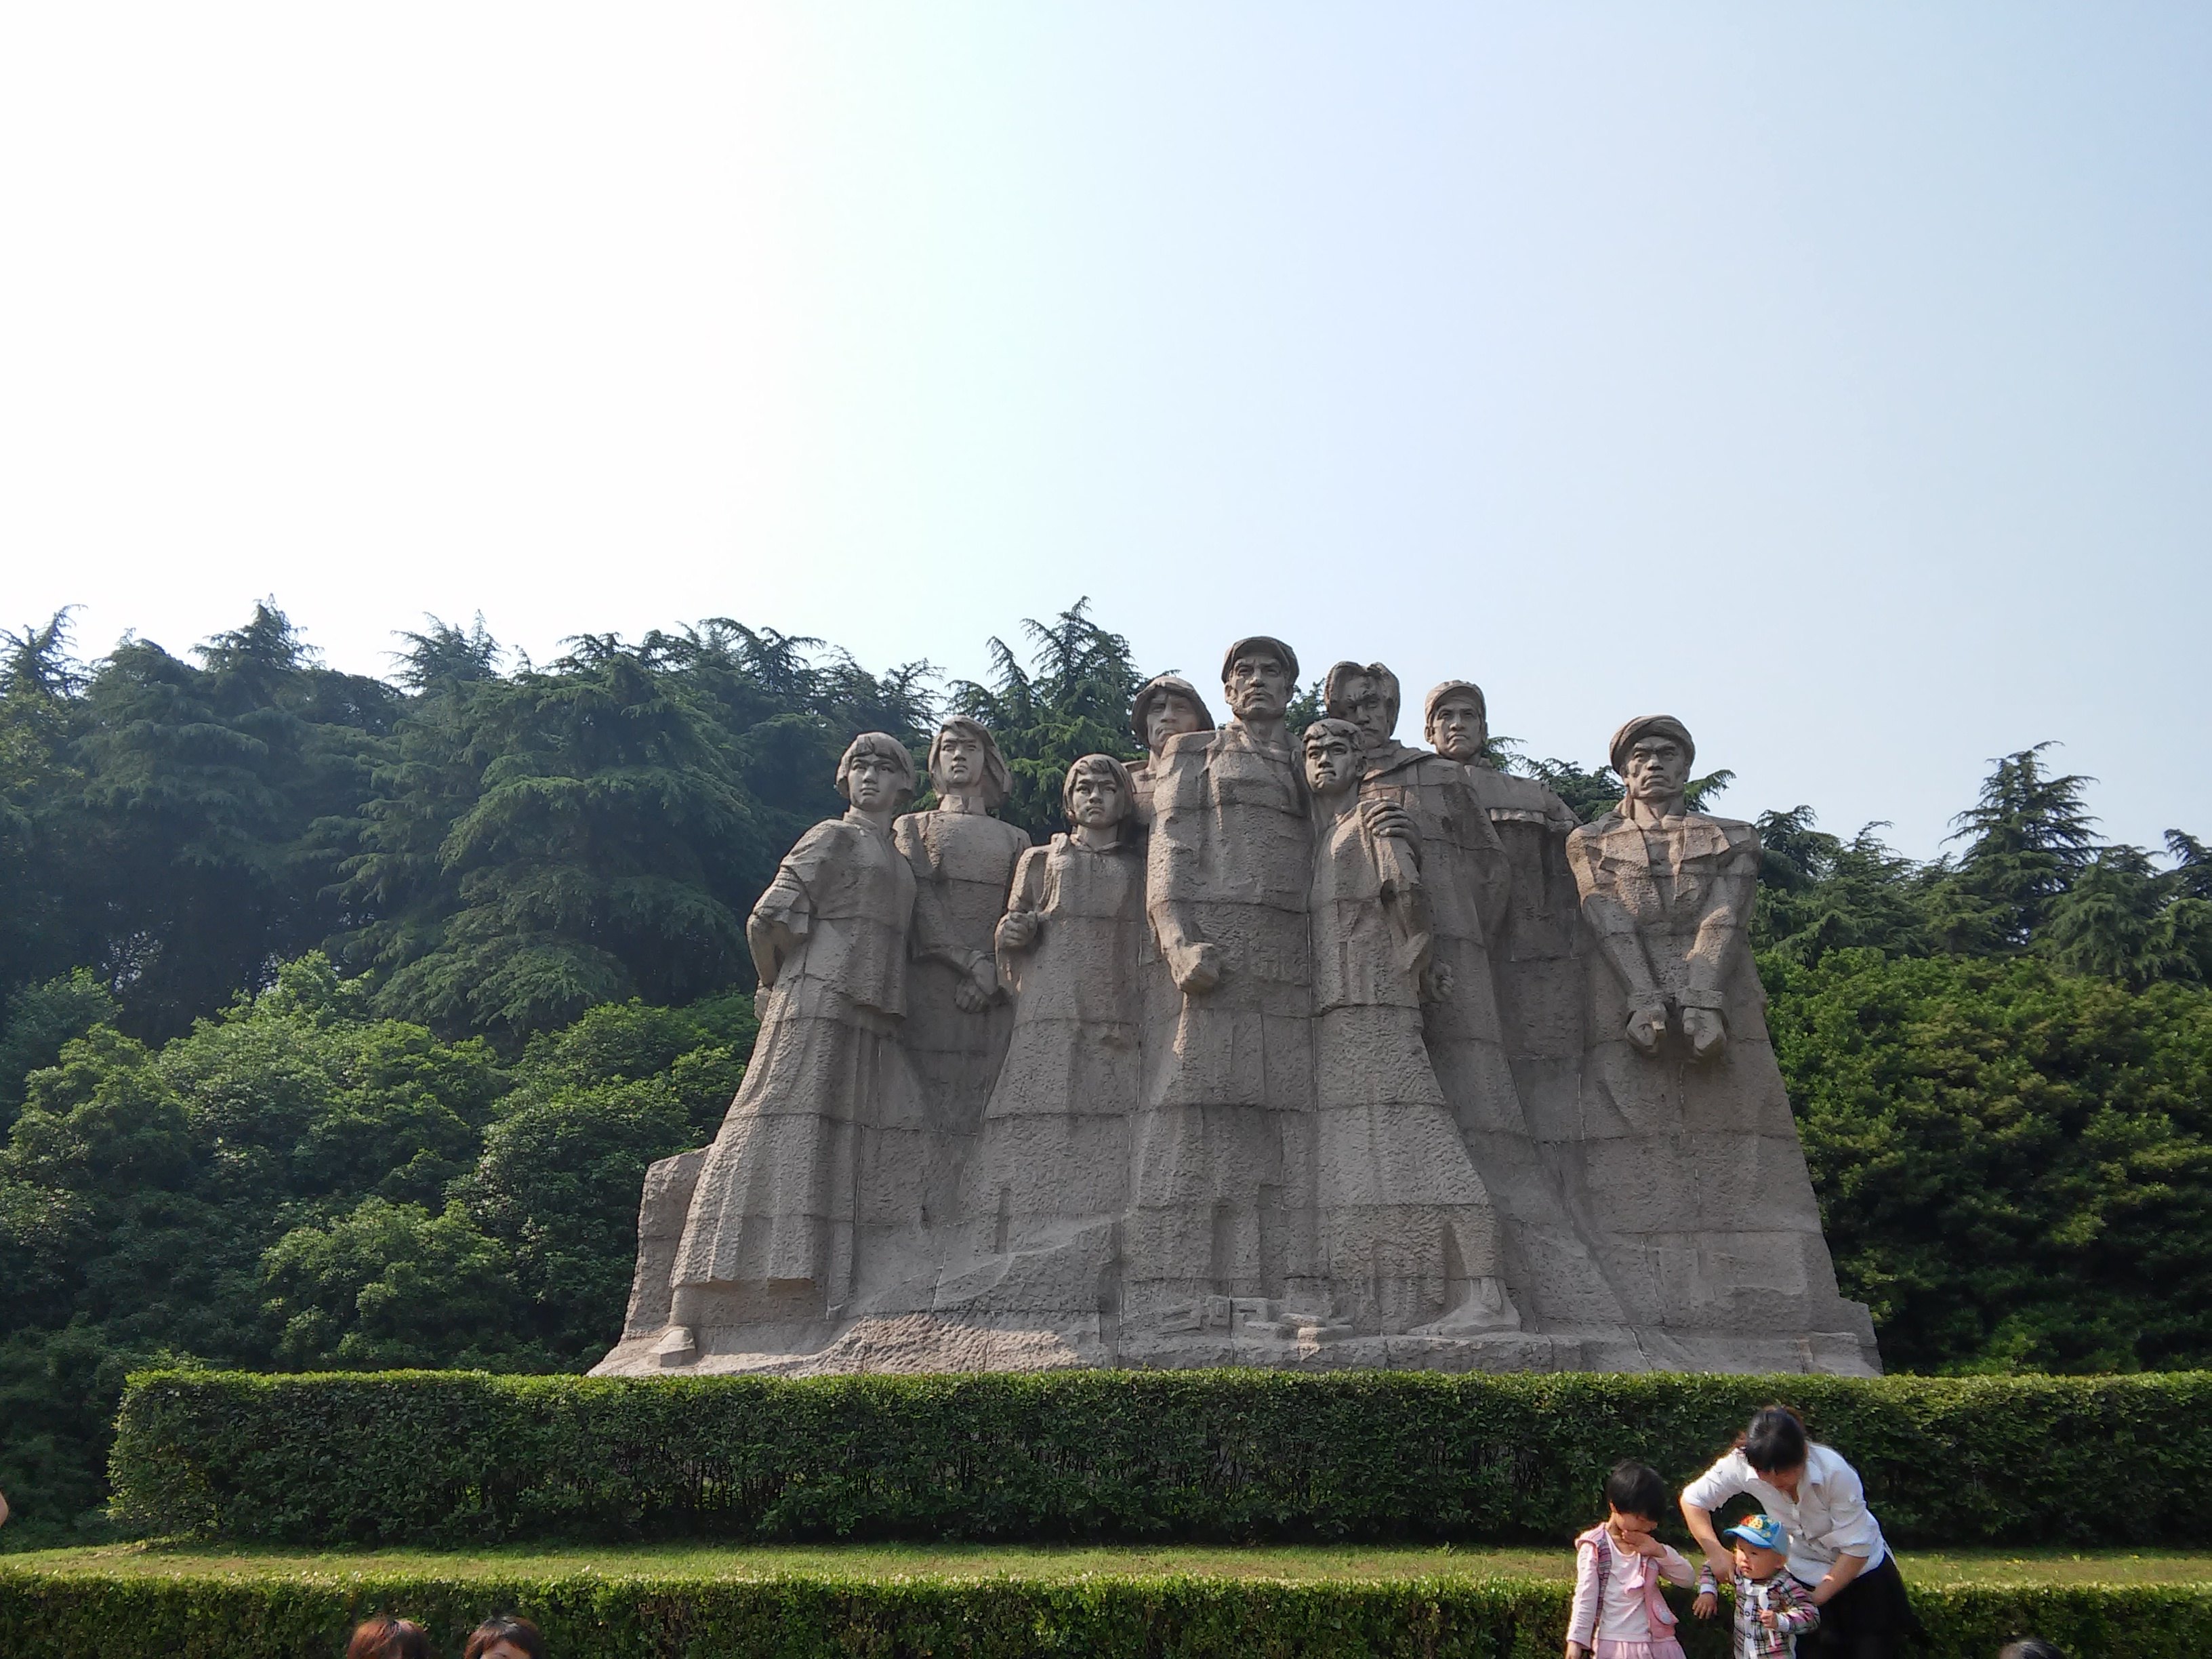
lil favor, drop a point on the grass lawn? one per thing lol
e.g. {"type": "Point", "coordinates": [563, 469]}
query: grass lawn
{"type": "Point", "coordinates": [881, 1561]}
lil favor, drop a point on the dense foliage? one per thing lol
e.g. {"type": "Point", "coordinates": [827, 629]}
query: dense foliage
{"type": "Point", "coordinates": [80, 1614]}
{"type": "Point", "coordinates": [448, 1458]}
{"type": "Point", "coordinates": [341, 1017]}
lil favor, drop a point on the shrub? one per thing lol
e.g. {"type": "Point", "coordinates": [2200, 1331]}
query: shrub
{"type": "Point", "coordinates": [84, 1615]}
{"type": "Point", "coordinates": [458, 1457]}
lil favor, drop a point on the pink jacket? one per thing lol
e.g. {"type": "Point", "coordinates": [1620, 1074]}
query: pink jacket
{"type": "Point", "coordinates": [1604, 1571]}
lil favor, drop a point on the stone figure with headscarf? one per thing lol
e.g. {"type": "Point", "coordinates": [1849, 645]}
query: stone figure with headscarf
{"type": "Point", "coordinates": [1166, 706]}
{"type": "Point", "coordinates": [957, 1020]}
{"type": "Point", "coordinates": [810, 1164]}
{"type": "Point", "coordinates": [1690, 1158]}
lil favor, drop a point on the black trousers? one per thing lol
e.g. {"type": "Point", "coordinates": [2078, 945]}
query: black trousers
{"type": "Point", "coordinates": [1868, 1619]}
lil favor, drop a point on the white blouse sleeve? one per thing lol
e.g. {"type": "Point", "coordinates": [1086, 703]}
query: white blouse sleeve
{"type": "Point", "coordinates": [1728, 1477]}
{"type": "Point", "coordinates": [1852, 1530]}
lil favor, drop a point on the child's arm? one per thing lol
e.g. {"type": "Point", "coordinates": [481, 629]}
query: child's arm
{"type": "Point", "coordinates": [1674, 1568]}
{"type": "Point", "coordinates": [1799, 1612]}
{"type": "Point", "coordinates": [1581, 1612]}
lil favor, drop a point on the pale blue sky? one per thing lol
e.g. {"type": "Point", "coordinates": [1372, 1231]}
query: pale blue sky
{"type": "Point", "coordinates": [1836, 377]}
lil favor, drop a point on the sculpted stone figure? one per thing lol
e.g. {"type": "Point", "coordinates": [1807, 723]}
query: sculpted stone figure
{"type": "Point", "coordinates": [1219, 1231]}
{"type": "Point", "coordinates": [1537, 944]}
{"type": "Point", "coordinates": [1408, 1238]}
{"type": "Point", "coordinates": [1050, 1176]}
{"type": "Point", "coordinates": [1688, 1149]}
{"type": "Point", "coordinates": [957, 1019]}
{"type": "Point", "coordinates": [1551, 1263]}
{"type": "Point", "coordinates": [1166, 706]}
{"type": "Point", "coordinates": [804, 1168]}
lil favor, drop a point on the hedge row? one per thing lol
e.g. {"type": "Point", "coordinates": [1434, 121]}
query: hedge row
{"type": "Point", "coordinates": [78, 1615]}
{"type": "Point", "coordinates": [445, 1458]}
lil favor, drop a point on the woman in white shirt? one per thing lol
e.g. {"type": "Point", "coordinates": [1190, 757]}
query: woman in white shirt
{"type": "Point", "coordinates": [1836, 1545]}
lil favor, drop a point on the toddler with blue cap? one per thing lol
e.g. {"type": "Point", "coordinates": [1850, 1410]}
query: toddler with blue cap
{"type": "Point", "coordinates": [1772, 1609]}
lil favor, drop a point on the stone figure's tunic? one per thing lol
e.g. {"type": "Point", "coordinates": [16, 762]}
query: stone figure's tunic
{"type": "Point", "coordinates": [798, 1176]}
{"type": "Point", "coordinates": [1407, 1230]}
{"type": "Point", "coordinates": [1693, 1167]}
{"type": "Point", "coordinates": [1537, 953]}
{"type": "Point", "coordinates": [1221, 1204]}
{"type": "Point", "coordinates": [1049, 1177]}
{"type": "Point", "coordinates": [1550, 1264]}
{"type": "Point", "coordinates": [964, 864]}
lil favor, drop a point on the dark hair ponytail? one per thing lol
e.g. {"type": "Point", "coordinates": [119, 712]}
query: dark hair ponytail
{"type": "Point", "coordinates": [1775, 1439]}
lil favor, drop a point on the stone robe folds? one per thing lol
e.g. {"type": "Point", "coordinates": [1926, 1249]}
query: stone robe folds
{"type": "Point", "coordinates": [963, 863]}
{"type": "Point", "coordinates": [1050, 1175]}
{"type": "Point", "coordinates": [1407, 1230]}
{"type": "Point", "coordinates": [1551, 1262]}
{"type": "Point", "coordinates": [807, 1162]}
{"type": "Point", "coordinates": [1693, 1166]}
{"type": "Point", "coordinates": [1221, 1204]}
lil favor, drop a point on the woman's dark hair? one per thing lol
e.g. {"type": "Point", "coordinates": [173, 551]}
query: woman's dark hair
{"type": "Point", "coordinates": [386, 1637]}
{"type": "Point", "coordinates": [505, 1627]}
{"type": "Point", "coordinates": [2030, 1647]}
{"type": "Point", "coordinates": [1635, 1488]}
{"type": "Point", "coordinates": [1776, 1439]}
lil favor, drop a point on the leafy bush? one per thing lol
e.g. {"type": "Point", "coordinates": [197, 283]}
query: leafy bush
{"type": "Point", "coordinates": [452, 1457]}
{"type": "Point", "coordinates": [84, 1615]}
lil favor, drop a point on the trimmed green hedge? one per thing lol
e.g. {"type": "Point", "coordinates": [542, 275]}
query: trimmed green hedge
{"type": "Point", "coordinates": [78, 1615]}
{"type": "Point", "coordinates": [443, 1458]}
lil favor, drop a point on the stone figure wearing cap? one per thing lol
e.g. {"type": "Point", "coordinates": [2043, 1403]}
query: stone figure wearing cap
{"type": "Point", "coordinates": [778, 1212]}
{"type": "Point", "coordinates": [1044, 1192]}
{"type": "Point", "coordinates": [1689, 1157]}
{"type": "Point", "coordinates": [1223, 1181]}
{"type": "Point", "coordinates": [1467, 881]}
{"type": "Point", "coordinates": [1166, 706]}
{"type": "Point", "coordinates": [1409, 1236]}
{"type": "Point", "coordinates": [957, 1020]}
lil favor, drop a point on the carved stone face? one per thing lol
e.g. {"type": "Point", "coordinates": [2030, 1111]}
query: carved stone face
{"type": "Point", "coordinates": [1095, 800]}
{"type": "Point", "coordinates": [1657, 770]}
{"type": "Point", "coordinates": [1456, 730]}
{"type": "Point", "coordinates": [1331, 768]}
{"type": "Point", "coordinates": [873, 782]}
{"type": "Point", "coordinates": [1170, 716]}
{"type": "Point", "coordinates": [1368, 705]}
{"type": "Point", "coordinates": [1258, 686]}
{"type": "Point", "coordinates": [959, 761]}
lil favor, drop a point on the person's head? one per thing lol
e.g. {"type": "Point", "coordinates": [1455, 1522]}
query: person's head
{"type": "Point", "coordinates": [877, 774]}
{"type": "Point", "coordinates": [1774, 1442]}
{"type": "Point", "coordinates": [2031, 1647]}
{"type": "Point", "coordinates": [1652, 755]}
{"type": "Point", "coordinates": [1168, 706]}
{"type": "Point", "coordinates": [1257, 675]}
{"type": "Point", "coordinates": [386, 1637]}
{"type": "Point", "coordinates": [505, 1636]}
{"type": "Point", "coordinates": [1456, 721]}
{"type": "Point", "coordinates": [1635, 1495]}
{"type": "Point", "coordinates": [1097, 793]}
{"type": "Point", "coordinates": [1760, 1545]}
{"type": "Point", "coordinates": [1332, 749]}
{"type": "Point", "coordinates": [964, 760]}
{"type": "Point", "coordinates": [1367, 695]}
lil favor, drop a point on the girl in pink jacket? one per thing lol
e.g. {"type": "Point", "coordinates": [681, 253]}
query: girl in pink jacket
{"type": "Point", "coordinates": [1618, 1611]}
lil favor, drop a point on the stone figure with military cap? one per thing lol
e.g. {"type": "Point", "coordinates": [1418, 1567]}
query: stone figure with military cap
{"type": "Point", "coordinates": [1689, 1157]}
{"type": "Point", "coordinates": [1166, 706]}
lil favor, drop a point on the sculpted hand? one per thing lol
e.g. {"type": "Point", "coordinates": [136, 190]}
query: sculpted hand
{"type": "Point", "coordinates": [973, 995]}
{"type": "Point", "coordinates": [1647, 1025]}
{"type": "Point", "coordinates": [1386, 817]}
{"type": "Point", "coordinates": [1706, 1605]}
{"type": "Point", "coordinates": [1706, 1030]}
{"type": "Point", "coordinates": [1201, 972]}
{"type": "Point", "coordinates": [1018, 930]}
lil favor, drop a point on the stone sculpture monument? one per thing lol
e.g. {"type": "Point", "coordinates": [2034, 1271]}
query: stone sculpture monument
{"type": "Point", "coordinates": [1312, 1050]}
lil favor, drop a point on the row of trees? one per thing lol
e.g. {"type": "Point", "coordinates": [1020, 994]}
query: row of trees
{"type": "Point", "coordinates": [342, 1018]}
